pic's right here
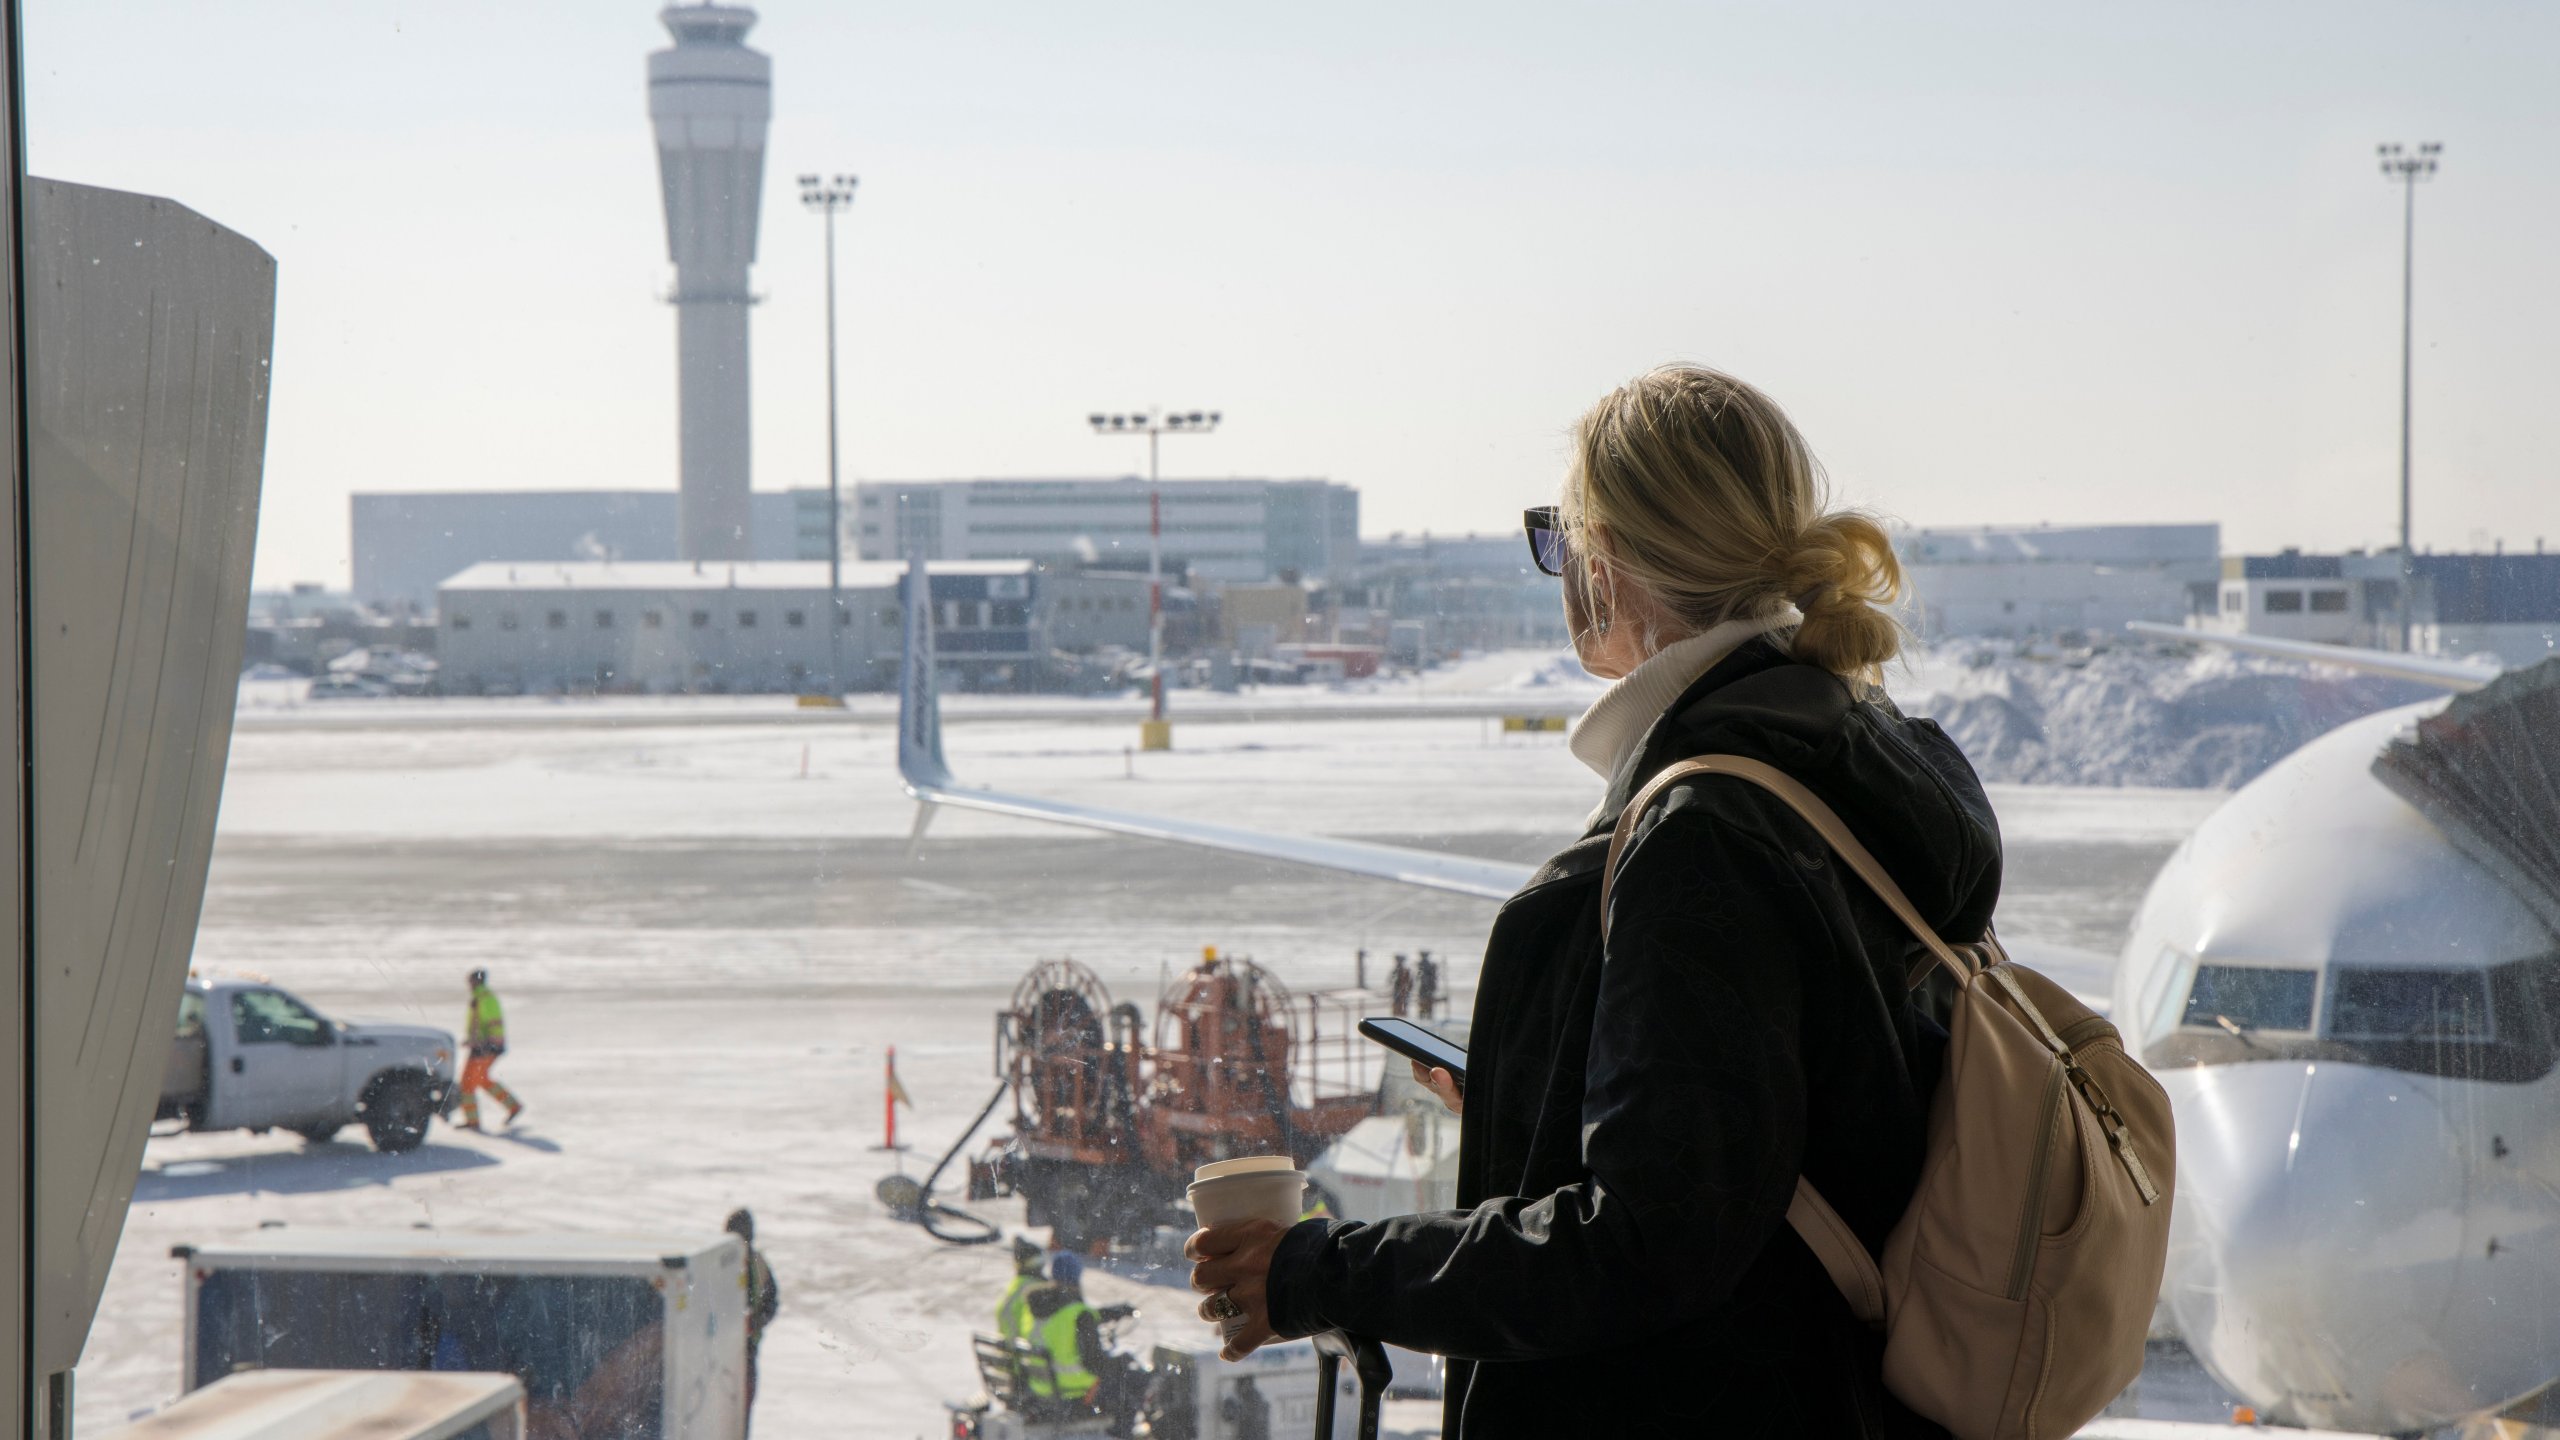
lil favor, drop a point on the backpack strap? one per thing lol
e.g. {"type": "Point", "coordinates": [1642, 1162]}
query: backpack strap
{"type": "Point", "coordinates": [1844, 1257]}
{"type": "Point", "coordinates": [1809, 806]}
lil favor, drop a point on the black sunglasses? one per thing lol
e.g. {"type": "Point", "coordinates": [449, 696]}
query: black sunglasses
{"type": "Point", "coordinates": [1546, 539]}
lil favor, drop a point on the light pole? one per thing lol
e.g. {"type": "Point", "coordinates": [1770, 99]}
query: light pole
{"type": "Point", "coordinates": [1157, 733]}
{"type": "Point", "coordinates": [2405, 168]}
{"type": "Point", "coordinates": [826, 197]}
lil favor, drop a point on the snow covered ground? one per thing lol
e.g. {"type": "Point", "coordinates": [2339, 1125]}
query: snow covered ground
{"type": "Point", "coordinates": [2138, 714]}
{"type": "Point", "coordinates": [708, 931]}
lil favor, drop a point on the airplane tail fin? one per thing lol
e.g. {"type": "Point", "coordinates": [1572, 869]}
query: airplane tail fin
{"type": "Point", "coordinates": [920, 761]}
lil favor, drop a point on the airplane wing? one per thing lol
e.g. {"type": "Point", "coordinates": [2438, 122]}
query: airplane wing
{"type": "Point", "coordinates": [2450, 674]}
{"type": "Point", "coordinates": [929, 780]}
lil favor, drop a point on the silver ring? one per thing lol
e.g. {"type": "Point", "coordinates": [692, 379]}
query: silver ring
{"type": "Point", "coordinates": [1221, 1306]}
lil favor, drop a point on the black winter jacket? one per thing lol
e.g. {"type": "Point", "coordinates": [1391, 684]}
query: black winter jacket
{"type": "Point", "coordinates": [1636, 1119]}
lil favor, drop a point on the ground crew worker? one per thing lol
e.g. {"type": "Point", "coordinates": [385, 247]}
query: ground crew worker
{"type": "Point", "coordinates": [1429, 984]}
{"type": "Point", "coordinates": [1069, 1331]}
{"type": "Point", "coordinates": [485, 1037]}
{"type": "Point", "coordinates": [1400, 988]}
{"type": "Point", "coordinates": [1013, 1312]}
{"type": "Point", "coordinates": [764, 1298]}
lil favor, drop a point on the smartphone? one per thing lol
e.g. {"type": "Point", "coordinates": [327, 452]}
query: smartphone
{"type": "Point", "coordinates": [1415, 1043]}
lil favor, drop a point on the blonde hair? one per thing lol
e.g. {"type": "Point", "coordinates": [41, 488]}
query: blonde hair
{"type": "Point", "coordinates": [1701, 491]}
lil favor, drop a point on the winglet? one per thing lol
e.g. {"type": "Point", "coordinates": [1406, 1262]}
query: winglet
{"type": "Point", "coordinates": [2454, 675]}
{"type": "Point", "coordinates": [920, 762]}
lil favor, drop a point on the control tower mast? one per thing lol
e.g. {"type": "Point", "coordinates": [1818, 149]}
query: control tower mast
{"type": "Point", "coordinates": [709, 100]}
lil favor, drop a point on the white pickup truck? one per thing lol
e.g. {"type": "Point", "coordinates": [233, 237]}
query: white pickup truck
{"type": "Point", "coordinates": [250, 1056]}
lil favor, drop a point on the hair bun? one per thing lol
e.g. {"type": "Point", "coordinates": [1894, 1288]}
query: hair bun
{"type": "Point", "coordinates": [1843, 576]}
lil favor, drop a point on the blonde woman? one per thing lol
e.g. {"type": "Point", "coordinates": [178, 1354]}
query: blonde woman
{"type": "Point", "coordinates": [1637, 1113]}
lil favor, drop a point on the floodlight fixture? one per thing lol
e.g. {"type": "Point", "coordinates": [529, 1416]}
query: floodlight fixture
{"type": "Point", "coordinates": [1153, 424]}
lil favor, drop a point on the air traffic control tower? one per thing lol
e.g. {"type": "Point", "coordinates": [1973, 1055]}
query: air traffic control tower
{"type": "Point", "coordinates": [709, 99]}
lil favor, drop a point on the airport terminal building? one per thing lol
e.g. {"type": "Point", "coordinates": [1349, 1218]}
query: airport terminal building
{"type": "Point", "coordinates": [673, 627]}
{"type": "Point", "coordinates": [406, 543]}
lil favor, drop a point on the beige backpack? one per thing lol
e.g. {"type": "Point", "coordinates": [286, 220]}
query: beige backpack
{"type": "Point", "coordinates": [2017, 1289]}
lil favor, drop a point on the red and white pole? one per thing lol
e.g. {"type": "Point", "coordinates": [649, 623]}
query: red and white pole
{"type": "Point", "coordinates": [889, 1101]}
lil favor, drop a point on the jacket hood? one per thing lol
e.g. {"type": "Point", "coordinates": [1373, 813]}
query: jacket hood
{"type": "Point", "coordinates": [1900, 784]}
{"type": "Point", "coordinates": [1048, 1300]}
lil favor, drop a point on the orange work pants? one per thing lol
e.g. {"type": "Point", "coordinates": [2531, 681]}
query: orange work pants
{"type": "Point", "coordinates": [475, 1078]}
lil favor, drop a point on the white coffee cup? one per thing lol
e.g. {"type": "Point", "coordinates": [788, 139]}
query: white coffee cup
{"type": "Point", "coordinates": [1258, 1187]}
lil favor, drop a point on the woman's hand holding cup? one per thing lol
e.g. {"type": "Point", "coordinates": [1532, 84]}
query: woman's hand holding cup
{"type": "Point", "coordinates": [1233, 1263]}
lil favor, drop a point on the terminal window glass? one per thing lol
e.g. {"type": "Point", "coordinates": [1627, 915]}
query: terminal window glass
{"type": "Point", "coordinates": [2234, 601]}
{"type": "Point", "coordinates": [2409, 1005]}
{"type": "Point", "coordinates": [2251, 997]}
{"type": "Point", "coordinates": [2284, 602]}
{"type": "Point", "coordinates": [2329, 602]}
{"type": "Point", "coordinates": [266, 1017]}
{"type": "Point", "coordinates": [1012, 613]}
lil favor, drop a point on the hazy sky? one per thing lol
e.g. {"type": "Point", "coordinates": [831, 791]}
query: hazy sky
{"type": "Point", "coordinates": [2003, 262]}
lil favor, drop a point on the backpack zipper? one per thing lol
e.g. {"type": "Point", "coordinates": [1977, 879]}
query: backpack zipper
{"type": "Point", "coordinates": [2031, 1227]}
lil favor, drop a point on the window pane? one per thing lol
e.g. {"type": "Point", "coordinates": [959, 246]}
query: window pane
{"type": "Point", "coordinates": [2409, 1005]}
{"type": "Point", "coordinates": [2252, 997]}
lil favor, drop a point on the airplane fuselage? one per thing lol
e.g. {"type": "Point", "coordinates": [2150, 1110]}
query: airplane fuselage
{"type": "Point", "coordinates": [2356, 1025]}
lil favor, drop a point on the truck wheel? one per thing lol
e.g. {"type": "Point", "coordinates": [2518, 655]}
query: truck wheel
{"type": "Point", "coordinates": [320, 1134]}
{"type": "Point", "coordinates": [396, 1109]}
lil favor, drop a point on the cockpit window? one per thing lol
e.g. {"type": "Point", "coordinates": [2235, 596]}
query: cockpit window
{"type": "Point", "coordinates": [2409, 1005]}
{"type": "Point", "coordinates": [2251, 997]}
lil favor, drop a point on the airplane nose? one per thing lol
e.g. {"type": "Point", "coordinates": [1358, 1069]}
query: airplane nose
{"type": "Point", "coordinates": [2321, 1207]}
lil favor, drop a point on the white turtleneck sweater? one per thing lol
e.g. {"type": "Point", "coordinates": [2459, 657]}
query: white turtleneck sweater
{"type": "Point", "coordinates": [1615, 725]}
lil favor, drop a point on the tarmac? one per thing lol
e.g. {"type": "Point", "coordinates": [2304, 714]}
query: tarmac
{"type": "Point", "coordinates": [707, 936]}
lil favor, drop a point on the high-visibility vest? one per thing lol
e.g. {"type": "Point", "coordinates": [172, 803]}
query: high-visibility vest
{"type": "Point", "coordinates": [488, 1022]}
{"type": "Point", "coordinates": [1013, 1312]}
{"type": "Point", "coordinates": [1057, 1335]}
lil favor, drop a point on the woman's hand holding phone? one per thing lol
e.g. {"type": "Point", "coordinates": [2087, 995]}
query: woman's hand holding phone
{"type": "Point", "coordinates": [1442, 1084]}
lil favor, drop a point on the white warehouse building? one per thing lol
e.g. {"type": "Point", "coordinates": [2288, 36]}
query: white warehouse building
{"type": "Point", "coordinates": [2047, 580]}
{"type": "Point", "coordinates": [717, 626]}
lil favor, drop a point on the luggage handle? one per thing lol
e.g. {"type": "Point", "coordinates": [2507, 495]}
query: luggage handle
{"type": "Point", "coordinates": [1368, 1361]}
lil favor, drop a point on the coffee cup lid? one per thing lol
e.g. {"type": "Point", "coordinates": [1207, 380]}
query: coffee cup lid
{"type": "Point", "coordinates": [1250, 1165]}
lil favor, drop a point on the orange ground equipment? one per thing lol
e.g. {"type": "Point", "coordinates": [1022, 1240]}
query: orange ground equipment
{"type": "Point", "coordinates": [1109, 1121]}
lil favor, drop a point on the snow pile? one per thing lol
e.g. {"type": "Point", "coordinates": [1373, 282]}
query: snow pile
{"type": "Point", "coordinates": [1559, 673]}
{"type": "Point", "coordinates": [2212, 719]}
